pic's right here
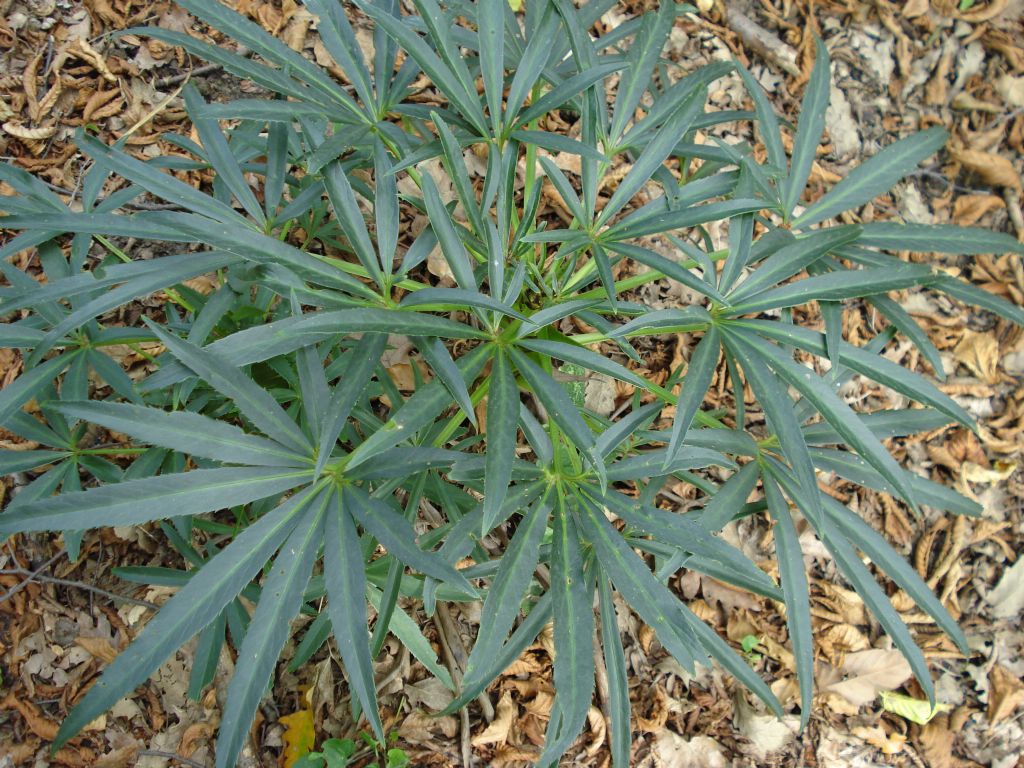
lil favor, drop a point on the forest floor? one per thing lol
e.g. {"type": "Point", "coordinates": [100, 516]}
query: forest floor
{"type": "Point", "coordinates": [898, 67]}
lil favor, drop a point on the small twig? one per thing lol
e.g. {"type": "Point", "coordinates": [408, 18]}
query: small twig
{"type": "Point", "coordinates": [601, 677]}
{"type": "Point", "coordinates": [30, 577]}
{"type": "Point", "coordinates": [81, 585]}
{"type": "Point", "coordinates": [170, 756]}
{"type": "Point", "coordinates": [396, 669]}
{"type": "Point", "coordinates": [206, 69]}
{"type": "Point", "coordinates": [456, 673]}
{"type": "Point", "coordinates": [461, 657]}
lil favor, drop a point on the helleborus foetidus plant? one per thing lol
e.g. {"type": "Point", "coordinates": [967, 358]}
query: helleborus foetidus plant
{"type": "Point", "coordinates": [290, 469]}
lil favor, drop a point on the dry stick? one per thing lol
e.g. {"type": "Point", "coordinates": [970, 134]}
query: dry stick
{"type": "Point", "coordinates": [601, 676]}
{"type": "Point", "coordinates": [81, 585]}
{"type": "Point", "coordinates": [762, 42]}
{"type": "Point", "coordinates": [30, 577]}
{"type": "Point", "coordinates": [171, 756]}
{"type": "Point", "coordinates": [453, 669]}
{"type": "Point", "coordinates": [461, 657]}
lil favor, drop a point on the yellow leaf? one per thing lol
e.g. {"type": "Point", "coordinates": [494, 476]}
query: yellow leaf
{"type": "Point", "coordinates": [915, 710]}
{"type": "Point", "coordinates": [515, 5]}
{"type": "Point", "coordinates": [299, 737]}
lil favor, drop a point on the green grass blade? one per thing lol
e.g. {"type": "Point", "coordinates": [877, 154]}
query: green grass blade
{"type": "Point", "coordinates": [350, 217]}
{"type": "Point", "coordinates": [834, 286]}
{"type": "Point", "coordinates": [490, 21]}
{"type": "Point", "coordinates": [419, 410]}
{"type": "Point", "coordinates": [938, 238]}
{"type": "Point", "coordinates": [437, 357]}
{"type": "Point", "coordinates": [452, 249]}
{"type": "Point", "coordinates": [872, 366]}
{"type": "Point", "coordinates": [219, 152]}
{"type": "Point", "coordinates": [767, 121]}
{"type": "Point", "coordinates": [792, 258]}
{"type": "Point", "coordinates": [651, 599]}
{"type": "Point", "coordinates": [618, 680]}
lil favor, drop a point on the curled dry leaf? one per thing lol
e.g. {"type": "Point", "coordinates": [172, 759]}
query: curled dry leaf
{"type": "Point", "coordinates": [497, 732]}
{"type": "Point", "coordinates": [887, 743]}
{"type": "Point", "coordinates": [969, 209]}
{"type": "Point", "coordinates": [990, 167]}
{"type": "Point", "coordinates": [20, 131]}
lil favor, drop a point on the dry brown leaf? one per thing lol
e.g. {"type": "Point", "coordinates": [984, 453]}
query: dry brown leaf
{"type": "Point", "coordinates": [1007, 599]}
{"type": "Point", "coordinates": [868, 672]}
{"type": "Point", "coordinates": [194, 736]}
{"type": "Point", "coordinates": [497, 732]}
{"type": "Point", "coordinates": [670, 750]}
{"type": "Point", "coordinates": [990, 167]}
{"type": "Point", "coordinates": [32, 134]}
{"type": "Point", "coordinates": [1006, 693]}
{"type": "Point", "coordinates": [980, 13]}
{"type": "Point", "coordinates": [998, 472]}
{"type": "Point", "coordinates": [765, 732]}
{"type": "Point", "coordinates": [936, 742]}
{"type": "Point", "coordinates": [914, 8]}
{"type": "Point", "coordinates": [98, 647]}
{"type": "Point", "coordinates": [422, 728]}
{"type": "Point", "coordinates": [968, 209]}
{"type": "Point", "coordinates": [37, 722]}
{"type": "Point", "coordinates": [888, 743]}
{"type": "Point", "coordinates": [123, 757]}
{"type": "Point", "coordinates": [980, 353]}
{"type": "Point", "coordinates": [599, 729]}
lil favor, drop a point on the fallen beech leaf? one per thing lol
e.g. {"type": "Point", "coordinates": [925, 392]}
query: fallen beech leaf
{"type": "Point", "coordinates": [1007, 599]}
{"type": "Point", "coordinates": [497, 732]}
{"type": "Point", "coordinates": [936, 743]}
{"type": "Point", "coordinates": [888, 743]}
{"type": "Point", "coordinates": [36, 721]}
{"type": "Point", "coordinates": [1006, 693]}
{"type": "Point", "coordinates": [867, 673]}
{"type": "Point", "coordinates": [765, 732]}
{"type": "Point", "coordinates": [670, 750]}
{"type": "Point", "coordinates": [98, 647]}
{"type": "Point", "coordinates": [197, 733]}
{"type": "Point", "coordinates": [967, 210]}
{"type": "Point", "coordinates": [992, 168]}
{"type": "Point", "coordinates": [980, 353]}
{"type": "Point", "coordinates": [33, 134]}
{"type": "Point", "coordinates": [600, 730]}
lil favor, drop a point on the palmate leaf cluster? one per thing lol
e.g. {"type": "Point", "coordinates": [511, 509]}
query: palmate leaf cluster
{"type": "Point", "coordinates": [286, 465]}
